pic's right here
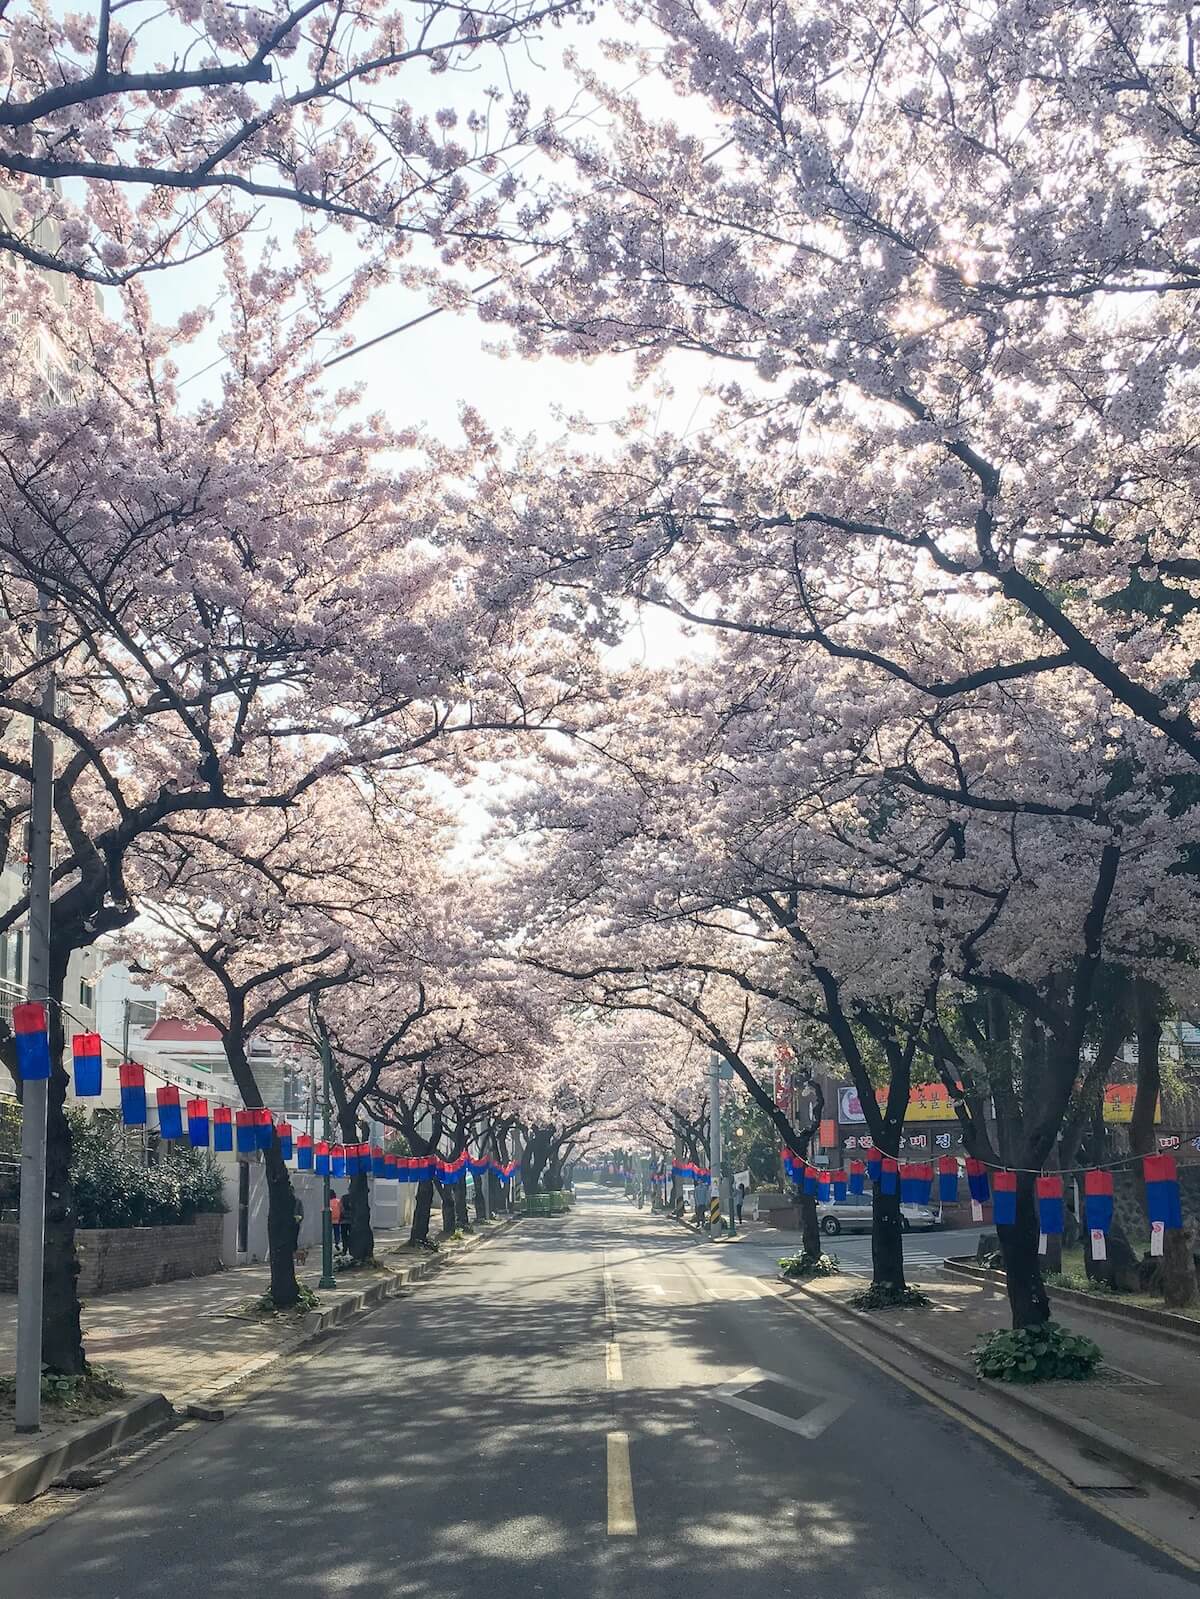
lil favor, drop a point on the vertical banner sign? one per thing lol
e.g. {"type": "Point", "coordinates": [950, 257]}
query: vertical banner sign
{"type": "Point", "coordinates": [1098, 1208]}
{"type": "Point", "coordinates": [32, 1041]}
{"type": "Point", "coordinates": [170, 1116]}
{"type": "Point", "coordinates": [977, 1183]}
{"type": "Point", "coordinates": [197, 1120]}
{"type": "Point", "coordinates": [132, 1079]}
{"type": "Point", "coordinates": [947, 1179]}
{"type": "Point", "coordinates": [85, 1053]}
{"type": "Point", "coordinates": [1004, 1198]}
{"type": "Point", "coordinates": [223, 1129]}
{"type": "Point", "coordinates": [1050, 1209]}
{"type": "Point", "coordinates": [1162, 1198]}
{"type": "Point", "coordinates": [857, 1173]}
{"type": "Point", "coordinates": [304, 1152]}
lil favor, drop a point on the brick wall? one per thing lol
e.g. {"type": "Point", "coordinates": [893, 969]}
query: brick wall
{"type": "Point", "coordinates": [113, 1258]}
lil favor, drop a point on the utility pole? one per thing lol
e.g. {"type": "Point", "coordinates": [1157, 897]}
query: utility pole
{"type": "Point", "coordinates": [714, 1143]}
{"type": "Point", "coordinates": [328, 1280]}
{"type": "Point", "coordinates": [35, 1094]}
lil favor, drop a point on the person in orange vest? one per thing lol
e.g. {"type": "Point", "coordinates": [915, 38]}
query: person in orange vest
{"type": "Point", "coordinates": [335, 1216]}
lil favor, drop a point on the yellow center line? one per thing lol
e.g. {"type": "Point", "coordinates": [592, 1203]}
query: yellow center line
{"type": "Point", "coordinates": [612, 1362]}
{"type": "Point", "coordinates": [622, 1523]}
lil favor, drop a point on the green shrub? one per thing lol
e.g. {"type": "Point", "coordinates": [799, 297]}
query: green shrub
{"type": "Point", "coordinates": [883, 1296]}
{"type": "Point", "coordinates": [113, 1188]}
{"type": "Point", "coordinates": [1080, 1283]}
{"type": "Point", "coordinates": [1036, 1354]}
{"type": "Point", "coordinates": [810, 1266]}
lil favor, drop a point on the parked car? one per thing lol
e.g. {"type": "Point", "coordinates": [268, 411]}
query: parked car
{"type": "Point", "coordinates": [854, 1215]}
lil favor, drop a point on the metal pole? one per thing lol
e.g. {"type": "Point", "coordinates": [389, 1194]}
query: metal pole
{"type": "Point", "coordinates": [34, 1096]}
{"type": "Point", "coordinates": [328, 1280]}
{"type": "Point", "coordinates": [714, 1141]}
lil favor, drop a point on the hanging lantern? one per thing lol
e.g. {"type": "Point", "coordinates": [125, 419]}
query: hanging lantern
{"type": "Point", "coordinates": [909, 1171]}
{"type": "Point", "coordinates": [32, 1041]}
{"type": "Point", "coordinates": [86, 1056]}
{"type": "Point", "coordinates": [321, 1160]}
{"type": "Point", "coordinates": [889, 1175]}
{"type": "Point", "coordinates": [391, 1168]}
{"type": "Point", "coordinates": [378, 1164]}
{"type": "Point", "coordinates": [839, 1187]}
{"type": "Point", "coordinates": [1004, 1198]}
{"type": "Point", "coordinates": [1162, 1198]}
{"type": "Point", "coordinates": [810, 1180]}
{"type": "Point", "coordinates": [170, 1117]}
{"type": "Point", "coordinates": [339, 1160]}
{"type": "Point", "coordinates": [923, 1183]}
{"type": "Point", "coordinates": [304, 1152]}
{"type": "Point", "coordinates": [947, 1179]}
{"type": "Point", "coordinates": [874, 1166]}
{"type": "Point", "coordinates": [422, 1169]}
{"type": "Point", "coordinates": [1098, 1209]}
{"type": "Point", "coordinates": [132, 1078]}
{"type": "Point", "coordinates": [285, 1139]}
{"type": "Point", "coordinates": [977, 1183]}
{"type": "Point", "coordinates": [222, 1129]}
{"type": "Point", "coordinates": [364, 1158]}
{"type": "Point", "coordinates": [264, 1130]}
{"type": "Point", "coordinates": [197, 1120]}
{"type": "Point", "coordinates": [247, 1139]}
{"type": "Point", "coordinates": [857, 1173]}
{"type": "Point", "coordinates": [823, 1187]}
{"type": "Point", "coordinates": [1050, 1208]}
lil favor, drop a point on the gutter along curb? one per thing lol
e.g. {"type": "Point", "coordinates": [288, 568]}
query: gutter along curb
{"type": "Point", "coordinates": [1142, 1464]}
{"type": "Point", "coordinates": [25, 1476]}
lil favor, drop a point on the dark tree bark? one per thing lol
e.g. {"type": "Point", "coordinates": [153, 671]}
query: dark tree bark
{"type": "Point", "coordinates": [418, 1233]}
{"type": "Point", "coordinates": [1027, 1298]}
{"type": "Point", "coordinates": [62, 1335]}
{"type": "Point", "coordinates": [281, 1201]}
{"type": "Point", "coordinates": [887, 1241]}
{"type": "Point", "coordinates": [449, 1220]}
{"type": "Point", "coordinates": [462, 1221]}
{"type": "Point", "coordinates": [361, 1244]}
{"type": "Point", "coordinates": [810, 1229]}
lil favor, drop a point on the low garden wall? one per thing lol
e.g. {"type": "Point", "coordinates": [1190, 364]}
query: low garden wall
{"type": "Point", "coordinates": [114, 1258]}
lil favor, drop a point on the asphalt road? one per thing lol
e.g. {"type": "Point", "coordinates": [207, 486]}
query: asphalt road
{"type": "Point", "coordinates": [760, 1249]}
{"type": "Point", "coordinates": [589, 1408]}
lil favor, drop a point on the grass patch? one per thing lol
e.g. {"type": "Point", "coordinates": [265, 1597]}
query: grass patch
{"type": "Point", "coordinates": [88, 1395]}
{"type": "Point", "coordinates": [1048, 1353]}
{"type": "Point", "coordinates": [883, 1296]}
{"type": "Point", "coordinates": [263, 1308]}
{"type": "Point", "coordinates": [810, 1266]}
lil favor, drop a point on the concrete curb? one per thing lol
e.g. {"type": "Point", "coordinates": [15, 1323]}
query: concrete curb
{"type": "Point", "coordinates": [1141, 1464]}
{"type": "Point", "coordinates": [1161, 1322]}
{"type": "Point", "coordinates": [204, 1403]}
{"type": "Point", "coordinates": [29, 1474]}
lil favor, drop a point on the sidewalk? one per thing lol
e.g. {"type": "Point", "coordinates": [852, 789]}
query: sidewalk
{"type": "Point", "coordinates": [186, 1341]}
{"type": "Point", "coordinates": [1146, 1397]}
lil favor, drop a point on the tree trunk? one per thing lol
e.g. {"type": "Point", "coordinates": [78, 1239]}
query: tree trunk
{"type": "Point", "coordinates": [282, 1230]}
{"type": "Point", "coordinates": [362, 1237]}
{"type": "Point", "coordinates": [448, 1220]}
{"type": "Point", "coordinates": [462, 1222]}
{"type": "Point", "coordinates": [810, 1228]}
{"type": "Point", "coordinates": [1027, 1298]}
{"type": "Point", "coordinates": [418, 1233]}
{"type": "Point", "coordinates": [887, 1241]}
{"type": "Point", "coordinates": [480, 1208]}
{"type": "Point", "coordinates": [62, 1336]}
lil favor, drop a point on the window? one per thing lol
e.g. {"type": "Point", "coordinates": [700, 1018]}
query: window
{"type": "Point", "coordinates": [87, 993]}
{"type": "Point", "coordinates": [17, 973]}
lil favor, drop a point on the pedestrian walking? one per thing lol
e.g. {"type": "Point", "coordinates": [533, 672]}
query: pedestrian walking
{"type": "Point", "coordinates": [741, 1195]}
{"type": "Point", "coordinates": [335, 1216]}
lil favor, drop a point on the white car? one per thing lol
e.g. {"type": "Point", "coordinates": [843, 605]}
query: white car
{"type": "Point", "coordinates": [854, 1215]}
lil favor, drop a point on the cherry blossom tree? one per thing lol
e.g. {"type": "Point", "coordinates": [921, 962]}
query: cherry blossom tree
{"type": "Point", "coordinates": [940, 269]}
{"type": "Point", "coordinates": [241, 604]}
{"type": "Point", "coordinates": [136, 137]}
